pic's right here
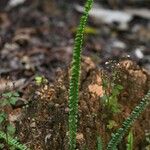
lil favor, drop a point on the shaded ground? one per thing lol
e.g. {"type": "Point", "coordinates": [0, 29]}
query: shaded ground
{"type": "Point", "coordinates": [38, 40]}
{"type": "Point", "coordinates": [47, 125]}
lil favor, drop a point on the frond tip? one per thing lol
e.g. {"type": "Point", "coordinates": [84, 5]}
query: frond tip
{"type": "Point", "coordinates": [117, 137]}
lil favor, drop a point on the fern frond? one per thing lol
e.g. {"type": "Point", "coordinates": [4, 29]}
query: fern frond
{"type": "Point", "coordinates": [116, 138]}
{"type": "Point", "coordinates": [12, 141]}
{"type": "Point", "coordinates": [130, 141]}
{"type": "Point", "coordinates": [99, 143]}
{"type": "Point", "coordinates": [75, 75]}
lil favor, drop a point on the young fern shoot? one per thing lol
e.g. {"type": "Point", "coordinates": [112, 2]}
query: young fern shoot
{"type": "Point", "coordinates": [75, 76]}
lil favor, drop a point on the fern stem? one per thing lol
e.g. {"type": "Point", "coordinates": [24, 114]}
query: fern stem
{"type": "Point", "coordinates": [12, 141]}
{"type": "Point", "coordinates": [75, 76]}
{"type": "Point", "coordinates": [117, 137]}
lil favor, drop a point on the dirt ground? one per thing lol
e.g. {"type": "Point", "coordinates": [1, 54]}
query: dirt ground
{"type": "Point", "coordinates": [36, 39]}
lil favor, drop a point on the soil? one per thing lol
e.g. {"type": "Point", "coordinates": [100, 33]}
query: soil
{"type": "Point", "coordinates": [36, 39]}
{"type": "Point", "coordinates": [45, 123]}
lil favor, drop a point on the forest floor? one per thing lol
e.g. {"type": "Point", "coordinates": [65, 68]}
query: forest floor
{"type": "Point", "coordinates": [36, 39]}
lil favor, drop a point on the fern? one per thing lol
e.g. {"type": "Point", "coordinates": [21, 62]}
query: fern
{"type": "Point", "coordinates": [116, 138]}
{"type": "Point", "coordinates": [12, 141]}
{"type": "Point", "coordinates": [99, 143]}
{"type": "Point", "coordinates": [130, 141]}
{"type": "Point", "coordinates": [75, 75]}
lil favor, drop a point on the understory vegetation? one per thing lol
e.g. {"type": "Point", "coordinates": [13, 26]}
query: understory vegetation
{"type": "Point", "coordinates": [109, 100]}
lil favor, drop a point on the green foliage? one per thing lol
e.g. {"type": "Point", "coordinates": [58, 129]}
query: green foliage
{"type": "Point", "coordinates": [1, 145]}
{"type": "Point", "coordinates": [3, 117]}
{"type": "Point", "coordinates": [12, 141]}
{"type": "Point", "coordinates": [99, 143]}
{"type": "Point", "coordinates": [110, 97]}
{"type": "Point", "coordinates": [10, 129]}
{"type": "Point", "coordinates": [130, 141]}
{"type": "Point", "coordinates": [9, 98]}
{"type": "Point", "coordinates": [39, 80]}
{"type": "Point", "coordinates": [75, 75]}
{"type": "Point", "coordinates": [111, 124]}
{"type": "Point", "coordinates": [117, 137]}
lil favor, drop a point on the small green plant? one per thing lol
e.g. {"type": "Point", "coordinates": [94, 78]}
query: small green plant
{"type": "Point", "coordinates": [111, 124]}
{"type": "Point", "coordinates": [130, 141]}
{"type": "Point", "coordinates": [111, 92]}
{"type": "Point", "coordinates": [39, 80]}
{"type": "Point", "coordinates": [9, 98]}
{"type": "Point", "coordinates": [7, 130]}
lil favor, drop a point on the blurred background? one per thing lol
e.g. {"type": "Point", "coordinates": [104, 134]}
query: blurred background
{"type": "Point", "coordinates": [37, 36]}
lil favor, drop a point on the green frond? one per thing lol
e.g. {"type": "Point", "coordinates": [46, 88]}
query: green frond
{"type": "Point", "coordinates": [130, 141]}
{"type": "Point", "coordinates": [12, 141]}
{"type": "Point", "coordinates": [117, 137]}
{"type": "Point", "coordinates": [75, 75]}
{"type": "Point", "coordinates": [99, 143]}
